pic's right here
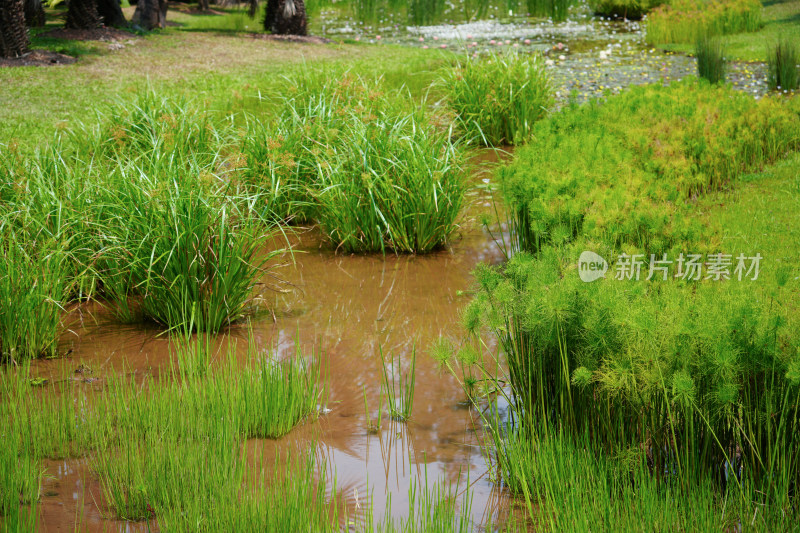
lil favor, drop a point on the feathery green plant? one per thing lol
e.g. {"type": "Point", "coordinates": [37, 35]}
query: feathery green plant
{"type": "Point", "coordinates": [587, 173]}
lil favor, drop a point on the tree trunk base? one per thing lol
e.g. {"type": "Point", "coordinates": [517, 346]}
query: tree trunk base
{"type": "Point", "coordinates": [286, 17]}
{"type": "Point", "coordinates": [13, 32]}
{"type": "Point", "coordinates": [82, 15]}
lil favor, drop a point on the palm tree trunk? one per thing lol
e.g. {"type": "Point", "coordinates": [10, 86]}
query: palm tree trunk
{"type": "Point", "coordinates": [111, 13]}
{"type": "Point", "coordinates": [13, 32]}
{"type": "Point", "coordinates": [82, 15]}
{"type": "Point", "coordinates": [150, 14]}
{"type": "Point", "coordinates": [286, 17]}
{"type": "Point", "coordinates": [34, 13]}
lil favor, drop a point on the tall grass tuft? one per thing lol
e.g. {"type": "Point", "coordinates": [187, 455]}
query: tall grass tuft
{"type": "Point", "coordinates": [395, 184]}
{"type": "Point", "coordinates": [364, 163]}
{"type": "Point", "coordinates": [497, 99]}
{"type": "Point", "coordinates": [783, 62]}
{"type": "Point", "coordinates": [557, 10]}
{"type": "Point", "coordinates": [31, 294]}
{"type": "Point", "coordinates": [191, 256]}
{"type": "Point", "coordinates": [626, 9]}
{"type": "Point", "coordinates": [710, 59]}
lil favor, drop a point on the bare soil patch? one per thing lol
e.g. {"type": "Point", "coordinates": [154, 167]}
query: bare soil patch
{"type": "Point", "coordinates": [307, 39]}
{"type": "Point", "coordinates": [38, 58]}
{"type": "Point", "coordinates": [97, 34]}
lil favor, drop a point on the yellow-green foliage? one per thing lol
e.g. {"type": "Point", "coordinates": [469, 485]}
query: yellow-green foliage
{"type": "Point", "coordinates": [498, 99]}
{"type": "Point", "coordinates": [629, 9]}
{"type": "Point", "coordinates": [684, 21]}
{"type": "Point", "coordinates": [620, 170]}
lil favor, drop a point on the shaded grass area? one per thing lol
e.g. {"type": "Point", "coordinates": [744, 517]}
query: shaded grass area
{"type": "Point", "coordinates": [781, 18]}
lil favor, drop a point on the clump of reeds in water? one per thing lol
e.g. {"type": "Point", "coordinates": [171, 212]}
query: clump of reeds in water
{"type": "Point", "coordinates": [498, 98]}
{"type": "Point", "coordinates": [365, 164]}
{"type": "Point", "coordinates": [710, 59]}
{"type": "Point", "coordinates": [783, 63]}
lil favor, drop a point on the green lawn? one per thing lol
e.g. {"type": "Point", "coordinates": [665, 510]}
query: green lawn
{"type": "Point", "coordinates": [781, 18]}
{"type": "Point", "coordinates": [228, 70]}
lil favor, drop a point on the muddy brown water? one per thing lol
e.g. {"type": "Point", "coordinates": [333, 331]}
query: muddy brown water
{"type": "Point", "coordinates": [347, 308]}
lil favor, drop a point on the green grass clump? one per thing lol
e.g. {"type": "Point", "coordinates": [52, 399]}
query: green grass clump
{"type": "Point", "coordinates": [628, 9]}
{"type": "Point", "coordinates": [783, 62]}
{"type": "Point", "coordinates": [391, 184]}
{"type": "Point", "coordinates": [188, 254]}
{"type": "Point", "coordinates": [31, 292]}
{"type": "Point", "coordinates": [365, 164]}
{"type": "Point", "coordinates": [583, 492]}
{"type": "Point", "coordinates": [498, 99]}
{"type": "Point", "coordinates": [710, 59]}
{"type": "Point", "coordinates": [586, 172]}
{"type": "Point", "coordinates": [557, 10]}
{"type": "Point", "coordinates": [174, 448]}
{"type": "Point", "coordinates": [154, 131]}
{"type": "Point", "coordinates": [684, 21]}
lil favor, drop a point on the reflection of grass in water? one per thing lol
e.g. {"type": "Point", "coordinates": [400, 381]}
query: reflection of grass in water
{"type": "Point", "coordinates": [174, 449]}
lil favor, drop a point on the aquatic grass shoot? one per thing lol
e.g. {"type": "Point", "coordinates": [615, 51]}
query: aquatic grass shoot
{"type": "Point", "coordinates": [498, 98]}
{"type": "Point", "coordinates": [432, 508]}
{"type": "Point", "coordinates": [398, 387]}
{"type": "Point", "coordinates": [783, 64]}
{"type": "Point", "coordinates": [710, 59]}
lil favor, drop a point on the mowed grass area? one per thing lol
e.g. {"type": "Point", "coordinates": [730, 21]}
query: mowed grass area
{"type": "Point", "coordinates": [781, 18]}
{"type": "Point", "coordinates": [232, 72]}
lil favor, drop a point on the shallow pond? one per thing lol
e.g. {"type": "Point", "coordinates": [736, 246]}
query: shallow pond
{"type": "Point", "coordinates": [346, 308]}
